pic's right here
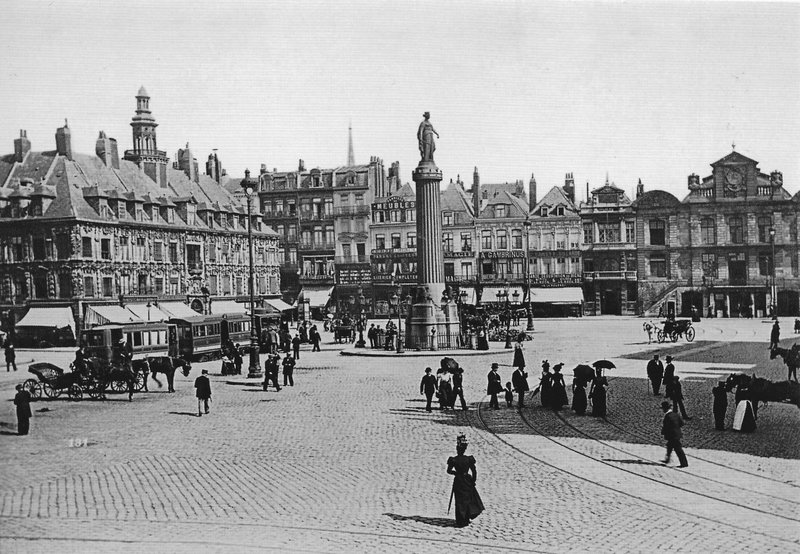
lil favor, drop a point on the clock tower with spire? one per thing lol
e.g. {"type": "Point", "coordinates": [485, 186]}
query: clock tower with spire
{"type": "Point", "coordinates": [145, 151]}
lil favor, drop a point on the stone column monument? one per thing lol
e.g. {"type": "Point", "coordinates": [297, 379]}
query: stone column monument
{"type": "Point", "coordinates": [433, 321]}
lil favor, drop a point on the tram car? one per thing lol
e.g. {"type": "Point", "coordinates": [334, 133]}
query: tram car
{"type": "Point", "coordinates": [142, 340]}
{"type": "Point", "coordinates": [200, 338]}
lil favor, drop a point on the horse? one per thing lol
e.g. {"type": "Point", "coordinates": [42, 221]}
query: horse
{"type": "Point", "coordinates": [118, 377]}
{"type": "Point", "coordinates": [757, 389]}
{"type": "Point", "coordinates": [167, 365]}
{"type": "Point", "coordinates": [791, 357]}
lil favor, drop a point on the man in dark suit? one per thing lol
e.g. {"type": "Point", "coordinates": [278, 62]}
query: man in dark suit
{"type": "Point", "coordinates": [23, 402]}
{"type": "Point", "coordinates": [371, 335]}
{"type": "Point", "coordinates": [669, 376]}
{"type": "Point", "coordinates": [428, 387]}
{"type": "Point", "coordinates": [720, 405]}
{"type": "Point", "coordinates": [677, 397]}
{"type": "Point", "coordinates": [671, 429]}
{"type": "Point", "coordinates": [494, 386]}
{"type": "Point", "coordinates": [296, 346]}
{"type": "Point", "coordinates": [655, 372]}
{"type": "Point", "coordinates": [288, 370]}
{"type": "Point", "coordinates": [203, 392]}
{"type": "Point", "coordinates": [458, 388]}
{"type": "Point", "coordinates": [519, 380]}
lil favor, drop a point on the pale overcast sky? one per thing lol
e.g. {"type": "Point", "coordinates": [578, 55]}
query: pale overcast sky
{"type": "Point", "coordinates": [639, 90]}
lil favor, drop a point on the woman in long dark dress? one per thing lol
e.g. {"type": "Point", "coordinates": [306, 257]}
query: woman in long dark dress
{"type": "Point", "coordinates": [579, 402]}
{"type": "Point", "coordinates": [558, 391]}
{"type": "Point", "coordinates": [483, 341]}
{"type": "Point", "coordinates": [468, 501]}
{"type": "Point", "coordinates": [545, 384]}
{"type": "Point", "coordinates": [598, 396]}
{"type": "Point", "coordinates": [519, 355]}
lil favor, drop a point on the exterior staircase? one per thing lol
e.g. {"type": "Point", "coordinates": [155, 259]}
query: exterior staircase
{"type": "Point", "coordinates": [655, 306]}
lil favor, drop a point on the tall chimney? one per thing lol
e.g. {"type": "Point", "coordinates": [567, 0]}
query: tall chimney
{"type": "Point", "coordinates": [106, 150]}
{"type": "Point", "coordinates": [21, 146]}
{"type": "Point", "coordinates": [64, 141]}
{"type": "Point", "coordinates": [587, 192]}
{"type": "Point", "coordinates": [301, 165]}
{"type": "Point", "coordinates": [476, 192]}
{"type": "Point", "coordinates": [532, 200]}
{"type": "Point", "coordinates": [569, 186]}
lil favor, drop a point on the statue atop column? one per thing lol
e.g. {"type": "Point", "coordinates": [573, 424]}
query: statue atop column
{"type": "Point", "coordinates": [425, 137]}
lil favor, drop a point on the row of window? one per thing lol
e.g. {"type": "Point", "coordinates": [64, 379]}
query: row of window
{"type": "Point", "coordinates": [395, 238]}
{"type": "Point", "coordinates": [406, 215]}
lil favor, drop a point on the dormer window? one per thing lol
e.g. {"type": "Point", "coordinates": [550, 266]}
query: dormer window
{"type": "Point", "coordinates": [544, 211]}
{"type": "Point", "coordinates": [560, 210]}
{"type": "Point", "coordinates": [351, 178]}
{"type": "Point", "coordinates": [447, 218]}
{"type": "Point", "coordinates": [191, 214]}
{"type": "Point", "coordinates": [500, 211]}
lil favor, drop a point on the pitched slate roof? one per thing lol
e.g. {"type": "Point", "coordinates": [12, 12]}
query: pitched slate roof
{"type": "Point", "coordinates": [454, 199]}
{"type": "Point", "coordinates": [556, 197]}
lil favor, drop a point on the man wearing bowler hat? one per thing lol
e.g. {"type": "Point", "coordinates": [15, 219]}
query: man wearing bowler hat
{"type": "Point", "coordinates": [494, 386]}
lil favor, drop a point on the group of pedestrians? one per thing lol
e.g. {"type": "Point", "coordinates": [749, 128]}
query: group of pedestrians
{"type": "Point", "coordinates": [673, 389]}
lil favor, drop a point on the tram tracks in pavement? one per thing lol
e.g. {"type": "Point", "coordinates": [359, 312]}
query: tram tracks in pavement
{"type": "Point", "coordinates": [751, 527]}
{"type": "Point", "coordinates": [794, 504]}
{"type": "Point", "coordinates": [641, 436]}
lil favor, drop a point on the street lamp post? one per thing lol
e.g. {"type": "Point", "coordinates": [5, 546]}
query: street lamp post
{"type": "Point", "coordinates": [360, 309]}
{"type": "Point", "coordinates": [501, 296]}
{"type": "Point", "coordinates": [773, 290]}
{"type": "Point", "coordinates": [529, 309]}
{"type": "Point", "coordinates": [254, 371]}
{"type": "Point", "coordinates": [397, 300]}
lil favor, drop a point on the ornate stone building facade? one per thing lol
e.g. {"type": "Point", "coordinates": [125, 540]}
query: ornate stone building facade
{"type": "Point", "coordinates": [729, 249]}
{"type": "Point", "coordinates": [79, 229]}
{"type": "Point", "coordinates": [321, 217]}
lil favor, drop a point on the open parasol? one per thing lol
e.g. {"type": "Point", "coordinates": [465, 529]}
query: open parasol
{"type": "Point", "coordinates": [604, 364]}
{"type": "Point", "coordinates": [583, 372]}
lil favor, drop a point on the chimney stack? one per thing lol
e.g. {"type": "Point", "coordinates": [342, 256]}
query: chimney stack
{"type": "Point", "coordinates": [21, 146]}
{"type": "Point", "coordinates": [569, 186]}
{"type": "Point", "coordinates": [587, 192]}
{"type": "Point", "coordinates": [64, 141]}
{"type": "Point", "coordinates": [301, 165]}
{"type": "Point", "coordinates": [476, 192]}
{"type": "Point", "coordinates": [106, 150]}
{"type": "Point", "coordinates": [213, 167]}
{"type": "Point", "coordinates": [532, 200]}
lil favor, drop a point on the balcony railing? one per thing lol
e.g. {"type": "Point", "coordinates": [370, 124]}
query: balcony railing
{"type": "Point", "coordinates": [351, 210]}
{"type": "Point", "coordinates": [316, 277]}
{"type": "Point", "coordinates": [500, 277]}
{"type": "Point", "coordinates": [311, 216]}
{"type": "Point", "coordinates": [283, 240]}
{"type": "Point", "coordinates": [304, 245]}
{"type": "Point", "coordinates": [352, 259]}
{"type": "Point", "coordinates": [627, 275]}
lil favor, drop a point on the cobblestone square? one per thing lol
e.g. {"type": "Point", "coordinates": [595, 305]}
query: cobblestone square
{"type": "Point", "coordinates": [348, 460]}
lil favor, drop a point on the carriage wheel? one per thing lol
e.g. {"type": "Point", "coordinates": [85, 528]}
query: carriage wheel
{"type": "Point", "coordinates": [138, 384]}
{"type": "Point", "coordinates": [49, 391]}
{"type": "Point", "coordinates": [33, 388]}
{"type": "Point", "coordinates": [690, 334]}
{"type": "Point", "coordinates": [674, 336]}
{"type": "Point", "coordinates": [96, 391]}
{"type": "Point", "coordinates": [119, 386]}
{"type": "Point", "coordinates": [660, 336]}
{"type": "Point", "coordinates": [75, 393]}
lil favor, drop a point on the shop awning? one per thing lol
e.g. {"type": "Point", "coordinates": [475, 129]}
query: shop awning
{"type": "Point", "coordinates": [177, 310]}
{"type": "Point", "coordinates": [316, 297]}
{"type": "Point", "coordinates": [278, 304]}
{"type": "Point", "coordinates": [57, 318]}
{"type": "Point", "coordinates": [226, 307]}
{"type": "Point", "coordinates": [103, 315]}
{"type": "Point", "coordinates": [147, 314]}
{"type": "Point", "coordinates": [560, 295]}
{"type": "Point", "coordinates": [490, 294]}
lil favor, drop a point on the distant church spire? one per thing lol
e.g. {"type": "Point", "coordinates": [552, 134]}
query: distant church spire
{"type": "Point", "coordinates": [351, 157]}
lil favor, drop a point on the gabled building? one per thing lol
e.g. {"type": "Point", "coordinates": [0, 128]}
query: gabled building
{"type": "Point", "coordinates": [609, 252]}
{"type": "Point", "coordinates": [554, 253]}
{"type": "Point", "coordinates": [459, 240]}
{"type": "Point", "coordinates": [730, 248]}
{"type": "Point", "coordinates": [78, 230]}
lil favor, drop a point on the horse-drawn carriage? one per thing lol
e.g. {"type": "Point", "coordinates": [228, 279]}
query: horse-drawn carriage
{"type": "Point", "coordinates": [51, 381]}
{"type": "Point", "coordinates": [675, 328]}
